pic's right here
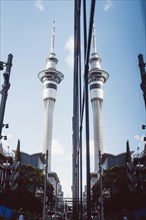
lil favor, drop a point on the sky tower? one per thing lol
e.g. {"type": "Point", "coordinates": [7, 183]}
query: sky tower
{"type": "Point", "coordinates": [50, 77]}
{"type": "Point", "coordinates": [96, 79]}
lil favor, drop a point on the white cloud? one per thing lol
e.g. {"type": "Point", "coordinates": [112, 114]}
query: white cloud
{"type": "Point", "coordinates": [69, 46]}
{"type": "Point", "coordinates": [107, 5]}
{"type": "Point", "coordinates": [59, 152]}
{"type": "Point", "coordinates": [138, 138]}
{"type": "Point", "coordinates": [62, 165]}
{"type": "Point", "coordinates": [39, 5]}
{"type": "Point", "coordinates": [57, 149]}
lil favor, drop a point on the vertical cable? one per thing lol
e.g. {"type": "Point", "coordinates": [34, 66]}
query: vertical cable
{"type": "Point", "coordinates": [87, 111]}
{"type": "Point", "coordinates": [76, 109]}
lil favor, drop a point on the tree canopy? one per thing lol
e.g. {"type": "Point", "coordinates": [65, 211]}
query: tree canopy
{"type": "Point", "coordinates": [24, 197]}
{"type": "Point", "coordinates": [17, 152]}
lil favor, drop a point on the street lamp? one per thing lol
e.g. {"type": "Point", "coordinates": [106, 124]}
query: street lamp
{"type": "Point", "coordinates": [45, 185]}
{"type": "Point", "coordinates": [142, 66]}
{"type": "Point", "coordinates": [4, 137]}
{"type": "Point", "coordinates": [144, 127]}
{"type": "Point", "coordinates": [2, 65]}
{"type": "Point", "coordinates": [5, 88]}
{"type": "Point", "coordinates": [101, 187]}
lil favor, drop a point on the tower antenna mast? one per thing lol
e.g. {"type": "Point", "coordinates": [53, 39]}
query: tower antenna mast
{"type": "Point", "coordinates": [94, 39]}
{"type": "Point", "coordinates": [53, 37]}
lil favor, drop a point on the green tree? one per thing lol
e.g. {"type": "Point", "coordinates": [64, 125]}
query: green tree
{"type": "Point", "coordinates": [17, 152]}
{"type": "Point", "coordinates": [114, 179]}
{"type": "Point", "coordinates": [25, 197]}
{"type": "Point", "coordinates": [114, 189]}
{"type": "Point", "coordinates": [128, 153]}
{"type": "Point", "coordinates": [30, 179]}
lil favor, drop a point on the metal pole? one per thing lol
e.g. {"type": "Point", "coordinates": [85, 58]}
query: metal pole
{"type": "Point", "coordinates": [87, 147]}
{"type": "Point", "coordinates": [76, 110]}
{"type": "Point", "coordinates": [101, 186]}
{"type": "Point", "coordinates": [142, 66]}
{"type": "Point", "coordinates": [4, 91]}
{"type": "Point", "coordinates": [56, 200]}
{"type": "Point", "coordinates": [81, 176]}
{"type": "Point", "coordinates": [45, 184]}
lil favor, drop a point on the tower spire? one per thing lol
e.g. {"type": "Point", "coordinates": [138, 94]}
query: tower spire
{"type": "Point", "coordinates": [95, 60]}
{"type": "Point", "coordinates": [53, 37]}
{"type": "Point", "coordinates": [94, 39]}
{"type": "Point", "coordinates": [52, 60]}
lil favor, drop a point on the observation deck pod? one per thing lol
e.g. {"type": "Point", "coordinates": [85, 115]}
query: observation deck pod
{"type": "Point", "coordinates": [97, 75]}
{"type": "Point", "coordinates": [51, 74]}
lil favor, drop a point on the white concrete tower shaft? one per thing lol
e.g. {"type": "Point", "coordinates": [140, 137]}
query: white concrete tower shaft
{"type": "Point", "coordinates": [96, 80]}
{"type": "Point", "coordinates": [50, 77]}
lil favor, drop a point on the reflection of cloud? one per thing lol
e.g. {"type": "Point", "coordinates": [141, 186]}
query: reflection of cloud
{"type": "Point", "coordinates": [107, 5]}
{"type": "Point", "coordinates": [91, 143]}
{"type": "Point", "coordinates": [70, 48]}
{"type": "Point", "coordinates": [92, 148]}
{"type": "Point", "coordinates": [39, 5]}
{"type": "Point", "coordinates": [68, 156]}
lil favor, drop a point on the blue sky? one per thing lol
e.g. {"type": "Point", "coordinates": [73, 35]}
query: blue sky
{"type": "Point", "coordinates": [121, 36]}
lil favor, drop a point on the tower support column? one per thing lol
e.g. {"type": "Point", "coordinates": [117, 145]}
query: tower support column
{"type": "Point", "coordinates": [98, 136]}
{"type": "Point", "coordinates": [48, 128]}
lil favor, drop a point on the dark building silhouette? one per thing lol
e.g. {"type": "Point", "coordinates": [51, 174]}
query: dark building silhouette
{"type": "Point", "coordinates": [37, 160]}
{"type": "Point", "coordinates": [111, 160]}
